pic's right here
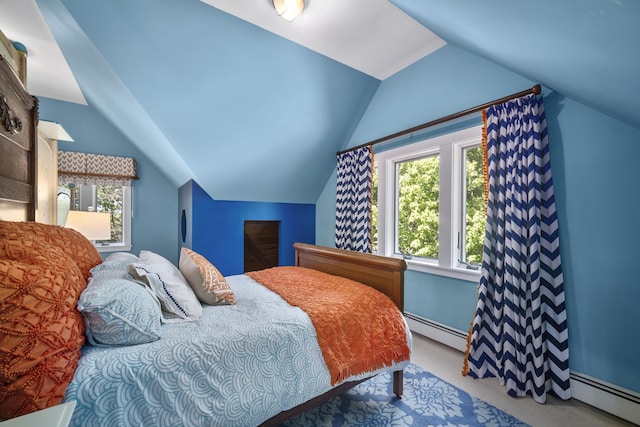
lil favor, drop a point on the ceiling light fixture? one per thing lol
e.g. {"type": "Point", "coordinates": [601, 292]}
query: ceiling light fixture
{"type": "Point", "coordinates": [289, 9]}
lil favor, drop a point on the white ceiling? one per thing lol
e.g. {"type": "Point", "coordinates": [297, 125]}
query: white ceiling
{"type": "Point", "coordinates": [48, 73]}
{"type": "Point", "coordinates": [372, 36]}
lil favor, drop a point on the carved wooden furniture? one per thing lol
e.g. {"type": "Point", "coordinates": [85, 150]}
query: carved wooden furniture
{"type": "Point", "coordinates": [18, 147]}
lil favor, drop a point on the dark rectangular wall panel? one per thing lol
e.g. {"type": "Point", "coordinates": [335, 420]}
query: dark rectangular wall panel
{"type": "Point", "coordinates": [261, 244]}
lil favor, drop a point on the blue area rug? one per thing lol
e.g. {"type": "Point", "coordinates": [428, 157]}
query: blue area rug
{"type": "Point", "coordinates": [426, 401]}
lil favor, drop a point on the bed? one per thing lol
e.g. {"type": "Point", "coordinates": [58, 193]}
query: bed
{"type": "Point", "coordinates": [54, 348]}
{"type": "Point", "coordinates": [257, 361]}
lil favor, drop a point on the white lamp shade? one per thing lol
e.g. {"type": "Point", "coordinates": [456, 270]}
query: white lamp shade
{"type": "Point", "coordinates": [92, 225]}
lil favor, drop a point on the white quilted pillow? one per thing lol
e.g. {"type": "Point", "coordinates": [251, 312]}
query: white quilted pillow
{"type": "Point", "coordinates": [168, 283]}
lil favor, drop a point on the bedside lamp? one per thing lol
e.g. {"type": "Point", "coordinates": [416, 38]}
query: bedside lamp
{"type": "Point", "coordinates": [92, 225]}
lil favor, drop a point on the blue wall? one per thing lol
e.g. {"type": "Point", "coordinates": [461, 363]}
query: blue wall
{"type": "Point", "coordinates": [594, 160]}
{"type": "Point", "coordinates": [155, 201]}
{"type": "Point", "coordinates": [595, 171]}
{"type": "Point", "coordinates": [218, 227]}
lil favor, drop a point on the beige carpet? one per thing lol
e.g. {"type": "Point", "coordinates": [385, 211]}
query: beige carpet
{"type": "Point", "coordinates": [446, 363]}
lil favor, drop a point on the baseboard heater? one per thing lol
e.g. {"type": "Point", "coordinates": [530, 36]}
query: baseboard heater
{"type": "Point", "coordinates": [444, 334]}
{"type": "Point", "coordinates": [616, 400]}
{"type": "Point", "coordinates": [610, 398]}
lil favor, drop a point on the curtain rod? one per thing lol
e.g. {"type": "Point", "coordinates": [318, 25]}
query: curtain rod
{"type": "Point", "coordinates": [535, 90]}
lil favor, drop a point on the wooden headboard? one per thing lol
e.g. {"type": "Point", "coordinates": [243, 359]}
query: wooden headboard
{"type": "Point", "coordinates": [382, 273]}
{"type": "Point", "coordinates": [18, 146]}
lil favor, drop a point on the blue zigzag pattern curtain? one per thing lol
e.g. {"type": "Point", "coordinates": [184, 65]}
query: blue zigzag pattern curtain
{"type": "Point", "coordinates": [519, 333]}
{"type": "Point", "coordinates": [353, 200]}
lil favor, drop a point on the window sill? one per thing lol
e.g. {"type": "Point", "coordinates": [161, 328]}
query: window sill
{"type": "Point", "coordinates": [113, 248]}
{"type": "Point", "coordinates": [455, 273]}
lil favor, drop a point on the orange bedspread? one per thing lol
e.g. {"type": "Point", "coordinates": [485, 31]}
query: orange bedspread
{"type": "Point", "coordinates": [359, 329]}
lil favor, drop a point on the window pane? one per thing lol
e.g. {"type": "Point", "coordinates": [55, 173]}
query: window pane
{"type": "Point", "coordinates": [474, 210]}
{"type": "Point", "coordinates": [110, 199]}
{"type": "Point", "coordinates": [417, 206]}
{"type": "Point", "coordinates": [374, 213]}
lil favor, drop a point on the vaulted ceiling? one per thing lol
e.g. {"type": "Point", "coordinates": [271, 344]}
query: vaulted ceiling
{"type": "Point", "coordinates": [225, 91]}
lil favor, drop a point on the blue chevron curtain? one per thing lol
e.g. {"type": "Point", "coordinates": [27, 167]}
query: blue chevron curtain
{"type": "Point", "coordinates": [519, 333]}
{"type": "Point", "coordinates": [353, 200]}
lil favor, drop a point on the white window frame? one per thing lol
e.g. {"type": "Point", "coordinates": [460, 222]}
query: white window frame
{"type": "Point", "coordinates": [127, 218]}
{"type": "Point", "coordinates": [449, 148]}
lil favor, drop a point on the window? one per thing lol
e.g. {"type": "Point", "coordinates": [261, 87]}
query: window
{"type": "Point", "coordinates": [115, 200]}
{"type": "Point", "coordinates": [103, 183]}
{"type": "Point", "coordinates": [473, 213]}
{"type": "Point", "coordinates": [430, 204]}
{"type": "Point", "coordinates": [417, 183]}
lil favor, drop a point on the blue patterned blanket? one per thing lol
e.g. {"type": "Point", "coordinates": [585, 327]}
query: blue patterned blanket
{"type": "Point", "coordinates": [239, 365]}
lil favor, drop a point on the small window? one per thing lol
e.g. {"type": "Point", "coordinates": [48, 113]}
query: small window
{"type": "Point", "coordinates": [115, 200]}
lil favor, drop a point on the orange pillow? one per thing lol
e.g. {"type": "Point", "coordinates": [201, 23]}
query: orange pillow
{"type": "Point", "coordinates": [79, 248]}
{"type": "Point", "coordinates": [41, 331]}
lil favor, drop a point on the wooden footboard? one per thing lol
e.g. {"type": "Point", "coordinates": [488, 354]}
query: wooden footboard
{"type": "Point", "coordinates": [382, 273]}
